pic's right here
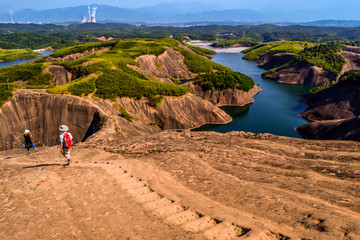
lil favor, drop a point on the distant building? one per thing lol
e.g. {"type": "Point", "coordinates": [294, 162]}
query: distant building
{"type": "Point", "coordinates": [83, 19]}
{"type": "Point", "coordinates": [91, 16]}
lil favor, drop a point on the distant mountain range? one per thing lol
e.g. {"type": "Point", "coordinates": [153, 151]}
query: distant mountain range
{"type": "Point", "coordinates": [181, 13]}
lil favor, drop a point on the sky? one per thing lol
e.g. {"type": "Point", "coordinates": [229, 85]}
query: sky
{"type": "Point", "coordinates": [259, 5]}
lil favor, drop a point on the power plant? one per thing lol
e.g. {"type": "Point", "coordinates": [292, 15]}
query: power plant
{"type": "Point", "coordinates": [91, 16]}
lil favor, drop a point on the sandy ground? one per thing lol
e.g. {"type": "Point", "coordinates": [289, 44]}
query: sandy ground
{"type": "Point", "coordinates": [205, 44]}
{"type": "Point", "coordinates": [184, 185]}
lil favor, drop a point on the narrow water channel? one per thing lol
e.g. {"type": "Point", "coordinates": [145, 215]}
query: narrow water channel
{"type": "Point", "coordinates": [7, 64]}
{"type": "Point", "coordinates": [275, 109]}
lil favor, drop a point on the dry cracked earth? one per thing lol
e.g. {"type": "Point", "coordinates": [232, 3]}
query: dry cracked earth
{"type": "Point", "coordinates": [184, 185]}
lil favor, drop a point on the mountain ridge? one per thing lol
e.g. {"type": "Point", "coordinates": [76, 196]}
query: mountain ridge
{"type": "Point", "coordinates": [178, 13]}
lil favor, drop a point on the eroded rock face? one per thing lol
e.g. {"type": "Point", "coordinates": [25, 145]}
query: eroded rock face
{"type": "Point", "coordinates": [76, 56]}
{"type": "Point", "coordinates": [351, 55]}
{"type": "Point", "coordinates": [186, 112]}
{"type": "Point", "coordinates": [340, 101]}
{"type": "Point", "coordinates": [61, 76]}
{"type": "Point", "coordinates": [351, 49]}
{"type": "Point", "coordinates": [342, 129]}
{"type": "Point", "coordinates": [270, 61]}
{"type": "Point", "coordinates": [42, 114]}
{"type": "Point", "coordinates": [229, 97]}
{"type": "Point", "coordinates": [304, 73]}
{"type": "Point", "coordinates": [168, 65]}
{"type": "Point", "coordinates": [335, 111]}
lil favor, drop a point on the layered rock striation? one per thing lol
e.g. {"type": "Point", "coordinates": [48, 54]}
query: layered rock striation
{"type": "Point", "coordinates": [335, 112]}
{"type": "Point", "coordinates": [303, 72]}
{"type": "Point", "coordinates": [42, 113]}
{"type": "Point", "coordinates": [168, 65]}
{"type": "Point", "coordinates": [228, 97]}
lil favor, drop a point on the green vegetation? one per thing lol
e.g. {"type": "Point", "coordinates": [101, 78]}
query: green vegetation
{"type": "Point", "coordinates": [322, 55]}
{"type": "Point", "coordinates": [82, 48]}
{"type": "Point", "coordinates": [115, 83]}
{"type": "Point", "coordinates": [31, 73]}
{"type": "Point", "coordinates": [197, 64]}
{"type": "Point", "coordinates": [325, 84]}
{"type": "Point", "coordinates": [123, 113]}
{"type": "Point", "coordinates": [108, 74]}
{"type": "Point", "coordinates": [242, 42]}
{"type": "Point", "coordinates": [257, 51]}
{"type": "Point", "coordinates": [113, 76]}
{"type": "Point", "coordinates": [6, 92]}
{"type": "Point", "coordinates": [57, 36]}
{"type": "Point", "coordinates": [202, 51]}
{"type": "Point", "coordinates": [351, 77]}
{"type": "Point", "coordinates": [224, 80]}
{"type": "Point", "coordinates": [7, 55]}
{"type": "Point", "coordinates": [82, 86]}
{"type": "Point", "coordinates": [325, 56]}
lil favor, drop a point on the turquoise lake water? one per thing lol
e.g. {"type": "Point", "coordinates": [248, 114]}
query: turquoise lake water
{"type": "Point", "coordinates": [275, 109]}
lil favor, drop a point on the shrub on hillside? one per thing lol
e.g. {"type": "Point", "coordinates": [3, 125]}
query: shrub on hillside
{"type": "Point", "coordinates": [351, 77]}
{"type": "Point", "coordinates": [82, 48]}
{"type": "Point", "coordinates": [202, 51]}
{"type": "Point", "coordinates": [115, 83]}
{"type": "Point", "coordinates": [325, 56]}
{"type": "Point", "coordinates": [224, 80]}
{"type": "Point", "coordinates": [197, 64]}
{"type": "Point", "coordinates": [6, 92]}
{"type": "Point", "coordinates": [16, 54]}
{"type": "Point", "coordinates": [30, 73]}
{"type": "Point", "coordinates": [242, 42]}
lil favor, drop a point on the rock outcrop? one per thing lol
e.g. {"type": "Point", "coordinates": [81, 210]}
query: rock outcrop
{"type": "Point", "coordinates": [168, 65]}
{"type": "Point", "coordinates": [76, 56]}
{"type": "Point", "coordinates": [269, 61]}
{"type": "Point", "coordinates": [341, 101]}
{"type": "Point", "coordinates": [303, 73]}
{"type": "Point", "coordinates": [229, 97]}
{"type": "Point", "coordinates": [335, 111]}
{"type": "Point", "coordinates": [61, 75]}
{"type": "Point", "coordinates": [42, 113]}
{"type": "Point", "coordinates": [342, 129]}
{"type": "Point", "coordinates": [187, 112]}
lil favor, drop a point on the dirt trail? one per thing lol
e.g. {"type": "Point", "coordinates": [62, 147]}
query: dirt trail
{"type": "Point", "coordinates": [184, 186]}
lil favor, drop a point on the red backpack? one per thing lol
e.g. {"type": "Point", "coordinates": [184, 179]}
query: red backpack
{"type": "Point", "coordinates": [67, 142]}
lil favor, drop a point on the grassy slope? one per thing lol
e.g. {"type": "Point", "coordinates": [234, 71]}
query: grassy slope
{"type": "Point", "coordinates": [107, 74]}
{"type": "Point", "coordinates": [8, 55]}
{"type": "Point", "coordinates": [325, 55]}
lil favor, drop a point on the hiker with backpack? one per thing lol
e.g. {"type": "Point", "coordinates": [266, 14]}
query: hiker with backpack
{"type": "Point", "coordinates": [28, 142]}
{"type": "Point", "coordinates": [66, 142]}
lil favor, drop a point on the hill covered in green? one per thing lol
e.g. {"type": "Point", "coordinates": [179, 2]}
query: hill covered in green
{"type": "Point", "coordinates": [108, 73]}
{"type": "Point", "coordinates": [7, 55]}
{"type": "Point", "coordinates": [322, 55]}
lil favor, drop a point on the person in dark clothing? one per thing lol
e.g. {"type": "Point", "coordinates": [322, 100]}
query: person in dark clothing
{"type": "Point", "coordinates": [28, 143]}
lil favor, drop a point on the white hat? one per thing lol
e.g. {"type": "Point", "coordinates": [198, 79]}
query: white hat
{"type": "Point", "coordinates": [26, 131]}
{"type": "Point", "coordinates": [64, 128]}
